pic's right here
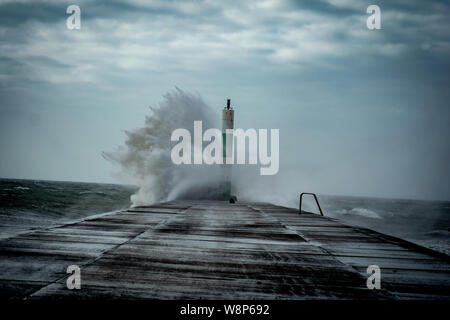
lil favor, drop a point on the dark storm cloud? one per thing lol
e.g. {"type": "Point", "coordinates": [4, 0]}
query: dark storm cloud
{"type": "Point", "coordinates": [327, 8]}
{"type": "Point", "coordinates": [13, 14]}
{"type": "Point", "coordinates": [367, 98]}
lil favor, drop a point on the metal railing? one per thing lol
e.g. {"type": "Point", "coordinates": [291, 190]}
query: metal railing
{"type": "Point", "coordinates": [315, 197]}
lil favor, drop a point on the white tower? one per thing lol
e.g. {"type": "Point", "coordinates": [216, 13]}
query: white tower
{"type": "Point", "coordinates": [227, 142]}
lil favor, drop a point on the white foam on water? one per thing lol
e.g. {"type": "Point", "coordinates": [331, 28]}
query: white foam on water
{"type": "Point", "coordinates": [145, 160]}
{"type": "Point", "coordinates": [22, 188]}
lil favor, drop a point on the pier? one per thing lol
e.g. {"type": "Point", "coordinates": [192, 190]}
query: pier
{"type": "Point", "coordinates": [217, 250]}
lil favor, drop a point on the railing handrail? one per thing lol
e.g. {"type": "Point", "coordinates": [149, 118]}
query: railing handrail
{"type": "Point", "coordinates": [315, 197]}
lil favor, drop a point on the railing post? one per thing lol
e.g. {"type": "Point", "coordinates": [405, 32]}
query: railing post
{"type": "Point", "coordinates": [315, 198]}
{"type": "Point", "coordinates": [300, 204]}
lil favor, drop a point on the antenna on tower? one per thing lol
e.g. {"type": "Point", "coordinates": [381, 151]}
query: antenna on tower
{"type": "Point", "coordinates": [228, 104]}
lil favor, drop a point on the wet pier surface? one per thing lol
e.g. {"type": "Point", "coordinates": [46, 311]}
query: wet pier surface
{"type": "Point", "coordinates": [217, 250]}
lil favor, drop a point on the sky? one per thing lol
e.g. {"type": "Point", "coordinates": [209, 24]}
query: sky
{"type": "Point", "coordinates": [360, 112]}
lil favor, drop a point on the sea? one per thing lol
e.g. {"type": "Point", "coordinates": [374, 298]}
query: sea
{"type": "Point", "coordinates": [35, 204]}
{"type": "Point", "coordinates": [27, 205]}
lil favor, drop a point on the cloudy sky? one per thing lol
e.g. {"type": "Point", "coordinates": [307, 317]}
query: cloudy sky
{"type": "Point", "coordinates": [360, 112]}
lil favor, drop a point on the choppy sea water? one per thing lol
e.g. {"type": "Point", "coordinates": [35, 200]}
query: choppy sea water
{"type": "Point", "coordinates": [423, 222]}
{"type": "Point", "coordinates": [36, 204]}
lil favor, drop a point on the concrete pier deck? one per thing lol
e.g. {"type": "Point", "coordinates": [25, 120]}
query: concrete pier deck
{"type": "Point", "coordinates": [217, 250]}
